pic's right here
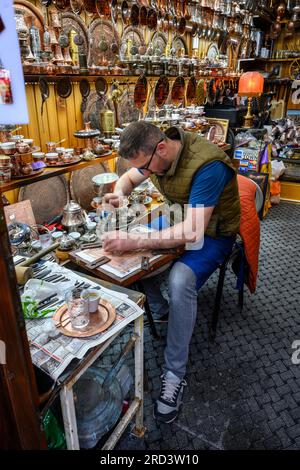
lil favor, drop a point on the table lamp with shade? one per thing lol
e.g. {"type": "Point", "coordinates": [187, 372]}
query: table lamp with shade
{"type": "Point", "coordinates": [250, 84]}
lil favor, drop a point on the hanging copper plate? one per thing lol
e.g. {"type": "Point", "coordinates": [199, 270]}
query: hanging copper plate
{"type": "Point", "coordinates": [143, 16]}
{"type": "Point", "coordinates": [181, 24]}
{"type": "Point", "coordinates": [73, 22]}
{"type": "Point", "coordinates": [191, 91]}
{"type": "Point", "coordinates": [103, 8]}
{"type": "Point", "coordinates": [165, 22]}
{"type": "Point", "coordinates": [134, 15]}
{"type": "Point", "coordinates": [140, 92]}
{"type": "Point", "coordinates": [101, 86]}
{"type": "Point", "coordinates": [90, 7]}
{"type": "Point", "coordinates": [47, 198]}
{"type": "Point", "coordinates": [161, 91]}
{"type": "Point", "coordinates": [122, 166]}
{"type": "Point", "coordinates": [101, 30]}
{"type": "Point", "coordinates": [177, 92]}
{"type": "Point", "coordinates": [62, 5]}
{"type": "Point", "coordinates": [81, 185]}
{"type": "Point", "coordinates": [77, 6]}
{"type": "Point", "coordinates": [64, 87]}
{"type": "Point", "coordinates": [125, 13]}
{"type": "Point", "coordinates": [152, 19]}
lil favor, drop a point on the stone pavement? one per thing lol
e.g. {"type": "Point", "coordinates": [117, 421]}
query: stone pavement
{"type": "Point", "coordinates": [243, 391]}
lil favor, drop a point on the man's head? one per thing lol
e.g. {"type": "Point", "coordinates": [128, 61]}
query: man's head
{"type": "Point", "coordinates": [146, 147]}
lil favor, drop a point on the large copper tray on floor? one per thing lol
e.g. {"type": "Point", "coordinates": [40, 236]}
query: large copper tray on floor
{"type": "Point", "coordinates": [99, 321]}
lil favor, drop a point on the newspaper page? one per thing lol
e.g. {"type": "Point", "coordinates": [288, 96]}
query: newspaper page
{"type": "Point", "coordinates": [52, 351]}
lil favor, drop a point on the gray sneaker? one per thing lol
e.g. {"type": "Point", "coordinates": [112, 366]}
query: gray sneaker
{"type": "Point", "coordinates": [167, 405]}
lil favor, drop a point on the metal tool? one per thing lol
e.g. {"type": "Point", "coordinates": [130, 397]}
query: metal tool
{"type": "Point", "coordinates": [43, 274]}
{"type": "Point", "coordinates": [52, 277]}
{"type": "Point", "coordinates": [98, 262]}
{"type": "Point", "coordinates": [19, 261]}
{"type": "Point", "coordinates": [46, 300]}
{"type": "Point", "coordinates": [51, 302]}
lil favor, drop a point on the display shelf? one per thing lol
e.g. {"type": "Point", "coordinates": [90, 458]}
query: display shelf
{"type": "Point", "coordinates": [49, 172]}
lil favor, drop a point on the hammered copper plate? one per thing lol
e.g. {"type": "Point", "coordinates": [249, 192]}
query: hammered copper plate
{"type": "Point", "coordinates": [94, 105]}
{"type": "Point", "coordinates": [177, 92]}
{"type": "Point", "coordinates": [191, 91]}
{"type": "Point", "coordinates": [47, 198]}
{"type": "Point", "coordinates": [81, 185]}
{"type": "Point", "coordinates": [101, 30]}
{"type": "Point", "coordinates": [140, 92]}
{"type": "Point", "coordinates": [135, 36]}
{"type": "Point", "coordinates": [127, 112]}
{"type": "Point", "coordinates": [179, 45]}
{"type": "Point", "coordinates": [161, 91]}
{"type": "Point", "coordinates": [159, 42]}
{"type": "Point", "coordinates": [122, 166]}
{"type": "Point", "coordinates": [72, 22]}
{"type": "Point", "coordinates": [99, 321]}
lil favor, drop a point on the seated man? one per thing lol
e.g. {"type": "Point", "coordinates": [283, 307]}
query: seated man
{"type": "Point", "coordinates": [187, 170]}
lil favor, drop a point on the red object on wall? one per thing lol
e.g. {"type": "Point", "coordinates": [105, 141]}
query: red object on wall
{"type": "Point", "coordinates": [251, 84]}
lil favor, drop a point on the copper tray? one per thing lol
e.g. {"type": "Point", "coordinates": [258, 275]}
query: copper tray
{"type": "Point", "coordinates": [105, 154]}
{"type": "Point", "coordinates": [34, 173]}
{"type": "Point", "coordinates": [99, 321]}
{"type": "Point", "coordinates": [81, 185]}
{"type": "Point", "coordinates": [57, 165]}
{"type": "Point", "coordinates": [47, 197]}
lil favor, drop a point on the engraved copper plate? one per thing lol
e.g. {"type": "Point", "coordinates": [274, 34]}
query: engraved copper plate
{"type": "Point", "coordinates": [127, 112]}
{"type": "Point", "coordinates": [135, 36]}
{"type": "Point", "coordinates": [161, 91]}
{"type": "Point", "coordinates": [179, 45]}
{"type": "Point", "coordinates": [159, 43]}
{"type": "Point", "coordinates": [99, 31]}
{"type": "Point", "coordinates": [47, 198]}
{"type": "Point", "coordinates": [72, 22]}
{"type": "Point", "coordinates": [140, 92]}
{"type": "Point", "coordinates": [94, 105]}
{"type": "Point", "coordinates": [81, 185]}
{"type": "Point", "coordinates": [178, 89]}
{"type": "Point", "coordinates": [191, 91]}
{"type": "Point", "coordinates": [99, 321]}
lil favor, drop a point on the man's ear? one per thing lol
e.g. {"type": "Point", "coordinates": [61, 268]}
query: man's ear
{"type": "Point", "coordinates": [162, 148]}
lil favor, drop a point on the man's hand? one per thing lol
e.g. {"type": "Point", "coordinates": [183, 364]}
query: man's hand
{"type": "Point", "coordinates": [118, 241]}
{"type": "Point", "coordinates": [114, 199]}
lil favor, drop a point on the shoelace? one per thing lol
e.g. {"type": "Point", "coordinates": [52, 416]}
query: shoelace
{"type": "Point", "coordinates": [170, 390]}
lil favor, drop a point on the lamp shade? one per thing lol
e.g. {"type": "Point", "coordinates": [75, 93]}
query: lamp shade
{"type": "Point", "coordinates": [251, 84]}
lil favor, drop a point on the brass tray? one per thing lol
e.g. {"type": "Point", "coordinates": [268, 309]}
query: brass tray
{"type": "Point", "coordinates": [105, 154]}
{"type": "Point", "coordinates": [99, 321]}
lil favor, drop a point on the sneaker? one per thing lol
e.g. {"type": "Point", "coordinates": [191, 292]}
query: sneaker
{"type": "Point", "coordinates": [167, 405]}
{"type": "Point", "coordinates": [163, 319]}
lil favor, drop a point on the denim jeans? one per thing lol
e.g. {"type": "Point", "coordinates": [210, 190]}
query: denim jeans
{"type": "Point", "coordinates": [183, 286]}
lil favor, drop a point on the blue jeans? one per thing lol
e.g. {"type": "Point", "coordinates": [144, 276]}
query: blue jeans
{"type": "Point", "coordinates": [183, 282]}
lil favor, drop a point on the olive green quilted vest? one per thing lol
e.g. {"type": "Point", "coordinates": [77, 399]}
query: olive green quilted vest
{"type": "Point", "coordinates": [175, 185]}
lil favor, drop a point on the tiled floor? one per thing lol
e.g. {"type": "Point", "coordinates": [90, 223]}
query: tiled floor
{"type": "Point", "coordinates": [243, 391]}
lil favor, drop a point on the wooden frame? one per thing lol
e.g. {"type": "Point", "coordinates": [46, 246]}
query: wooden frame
{"type": "Point", "coordinates": [219, 123]}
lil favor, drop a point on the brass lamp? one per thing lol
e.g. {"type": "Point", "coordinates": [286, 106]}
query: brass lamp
{"type": "Point", "coordinates": [250, 84]}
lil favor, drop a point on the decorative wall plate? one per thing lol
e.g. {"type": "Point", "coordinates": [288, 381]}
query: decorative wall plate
{"type": "Point", "coordinates": [103, 8]}
{"type": "Point", "coordinates": [127, 112]}
{"type": "Point", "coordinates": [47, 198]}
{"type": "Point", "coordinates": [94, 105]}
{"type": "Point", "coordinates": [159, 42]}
{"type": "Point", "coordinates": [72, 22]}
{"type": "Point", "coordinates": [161, 91]}
{"type": "Point", "coordinates": [62, 5]}
{"type": "Point", "coordinates": [81, 185]}
{"type": "Point", "coordinates": [132, 36]}
{"type": "Point", "coordinates": [212, 51]}
{"type": "Point", "coordinates": [90, 7]}
{"type": "Point", "coordinates": [77, 6]}
{"type": "Point", "coordinates": [179, 45]}
{"type": "Point", "coordinates": [178, 91]}
{"type": "Point", "coordinates": [102, 30]}
{"type": "Point", "coordinates": [191, 91]}
{"type": "Point", "coordinates": [140, 92]}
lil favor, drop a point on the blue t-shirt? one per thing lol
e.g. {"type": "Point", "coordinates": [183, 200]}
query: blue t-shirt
{"type": "Point", "coordinates": [209, 183]}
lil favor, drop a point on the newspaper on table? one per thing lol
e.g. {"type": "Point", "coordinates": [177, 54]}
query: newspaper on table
{"type": "Point", "coordinates": [52, 351]}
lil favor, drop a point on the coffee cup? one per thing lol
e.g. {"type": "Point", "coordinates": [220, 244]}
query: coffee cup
{"type": "Point", "coordinates": [93, 297]}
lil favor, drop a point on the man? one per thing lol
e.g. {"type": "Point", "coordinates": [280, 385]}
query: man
{"type": "Point", "coordinates": [187, 169]}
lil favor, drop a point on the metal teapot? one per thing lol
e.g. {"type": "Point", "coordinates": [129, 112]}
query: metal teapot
{"type": "Point", "coordinates": [73, 216]}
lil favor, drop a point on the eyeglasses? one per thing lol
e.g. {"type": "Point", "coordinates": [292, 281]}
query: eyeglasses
{"type": "Point", "coordinates": [150, 160]}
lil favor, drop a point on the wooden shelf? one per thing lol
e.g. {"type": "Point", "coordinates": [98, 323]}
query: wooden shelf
{"type": "Point", "coordinates": [49, 172]}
